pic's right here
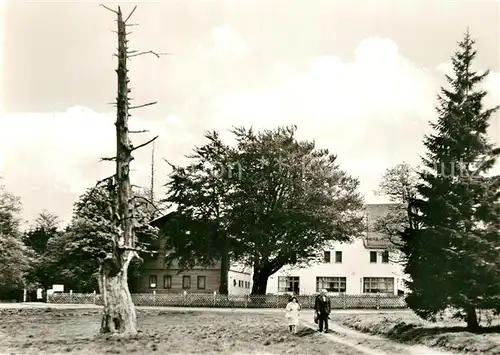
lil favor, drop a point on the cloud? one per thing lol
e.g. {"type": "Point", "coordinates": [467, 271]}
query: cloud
{"type": "Point", "coordinates": [371, 111]}
{"type": "Point", "coordinates": [50, 159]}
{"type": "Point", "coordinates": [359, 108]}
{"type": "Point", "coordinates": [227, 42]}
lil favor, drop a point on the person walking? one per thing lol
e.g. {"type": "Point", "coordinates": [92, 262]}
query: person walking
{"type": "Point", "coordinates": [292, 314]}
{"type": "Point", "coordinates": [322, 307]}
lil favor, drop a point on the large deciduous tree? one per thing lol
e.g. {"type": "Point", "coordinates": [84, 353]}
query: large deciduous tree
{"type": "Point", "coordinates": [198, 232]}
{"type": "Point", "coordinates": [399, 185]}
{"type": "Point", "coordinates": [269, 202]}
{"type": "Point", "coordinates": [454, 259]}
{"type": "Point", "coordinates": [290, 202]}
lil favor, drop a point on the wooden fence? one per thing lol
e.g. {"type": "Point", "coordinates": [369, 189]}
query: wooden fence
{"type": "Point", "coordinates": [376, 301]}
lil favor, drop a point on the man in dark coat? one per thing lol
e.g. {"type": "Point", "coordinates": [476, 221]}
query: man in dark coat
{"type": "Point", "coordinates": [322, 307]}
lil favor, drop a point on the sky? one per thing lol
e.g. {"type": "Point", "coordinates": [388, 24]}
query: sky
{"type": "Point", "coordinates": [358, 77]}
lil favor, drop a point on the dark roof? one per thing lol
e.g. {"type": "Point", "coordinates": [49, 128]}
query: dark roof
{"type": "Point", "coordinates": [372, 240]}
{"type": "Point", "coordinates": [160, 221]}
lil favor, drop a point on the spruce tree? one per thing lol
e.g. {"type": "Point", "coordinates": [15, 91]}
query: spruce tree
{"type": "Point", "coordinates": [454, 256]}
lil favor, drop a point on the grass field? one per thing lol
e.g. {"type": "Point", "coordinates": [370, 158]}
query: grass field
{"type": "Point", "coordinates": [55, 331]}
{"type": "Point", "coordinates": [408, 328]}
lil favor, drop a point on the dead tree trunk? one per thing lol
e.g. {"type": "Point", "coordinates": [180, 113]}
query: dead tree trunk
{"type": "Point", "coordinates": [119, 311]}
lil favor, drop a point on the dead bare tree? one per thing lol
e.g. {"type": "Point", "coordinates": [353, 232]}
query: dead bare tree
{"type": "Point", "coordinates": [119, 311]}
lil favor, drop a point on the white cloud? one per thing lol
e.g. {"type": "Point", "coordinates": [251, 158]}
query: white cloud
{"type": "Point", "coordinates": [227, 42]}
{"type": "Point", "coordinates": [356, 108]}
{"type": "Point", "coordinates": [50, 159]}
{"type": "Point", "coordinates": [371, 111]}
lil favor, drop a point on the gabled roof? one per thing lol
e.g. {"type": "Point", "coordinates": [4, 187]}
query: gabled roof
{"type": "Point", "coordinates": [372, 240]}
{"type": "Point", "coordinates": [160, 221]}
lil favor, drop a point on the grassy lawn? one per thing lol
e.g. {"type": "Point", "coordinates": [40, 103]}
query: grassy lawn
{"type": "Point", "coordinates": [56, 331]}
{"type": "Point", "coordinates": [408, 328]}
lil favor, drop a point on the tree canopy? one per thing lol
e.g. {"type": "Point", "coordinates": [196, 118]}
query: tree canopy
{"type": "Point", "coordinates": [270, 201]}
{"type": "Point", "coordinates": [38, 238]}
{"type": "Point", "coordinates": [89, 236]}
{"type": "Point", "coordinates": [15, 257]}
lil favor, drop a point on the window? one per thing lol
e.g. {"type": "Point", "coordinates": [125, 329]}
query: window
{"type": "Point", "coordinates": [385, 257]}
{"type": "Point", "coordinates": [327, 256]}
{"type": "Point", "coordinates": [378, 285]}
{"type": "Point", "coordinates": [152, 281]}
{"type": "Point", "coordinates": [373, 256]}
{"type": "Point", "coordinates": [234, 283]}
{"type": "Point", "coordinates": [240, 283]}
{"type": "Point", "coordinates": [338, 256]}
{"type": "Point", "coordinates": [201, 282]}
{"type": "Point", "coordinates": [331, 284]}
{"type": "Point", "coordinates": [186, 282]}
{"type": "Point", "coordinates": [288, 284]}
{"type": "Point", "coordinates": [167, 281]}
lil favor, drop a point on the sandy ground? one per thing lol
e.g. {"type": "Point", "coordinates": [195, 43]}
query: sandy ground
{"type": "Point", "coordinates": [37, 329]}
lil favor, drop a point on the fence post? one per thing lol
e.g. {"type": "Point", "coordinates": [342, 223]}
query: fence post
{"type": "Point", "coordinates": [185, 298]}
{"type": "Point", "coordinates": [95, 296]}
{"type": "Point", "coordinates": [344, 301]}
{"type": "Point", "coordinates": [24, 295]}
{"type": "Point", "coordinates": [277, 301]}
{"type": "Point", "coordinates": [377, 301]}
{"type": "Point", "coordinates": [154, 297]}
{"type": "Point", "coordinates": [246, 301]}
{"type": "Point", "coordinates": [70, 296]}
{"type": "Point", "coordinates": [215, 298]}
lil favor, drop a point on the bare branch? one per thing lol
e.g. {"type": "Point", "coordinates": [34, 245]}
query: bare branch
{"type": "Point", "coordinates": [132, 24]}
{"type": "Point", "coordinates": [144, 105]}
{"type": "Point", "coordinates": [140, 131]}
{"type": "Point", "coordinates": [169, 163]}
{"type": "Point", "coordinates": [108, 159]}
{"type": "Point", "coordinates": [148, 52]}
{"type": "Point", "coordinates": [107, 8]}
{"type": "Point", "coordinates": [146, 200]}
{"type": "Point", "coordinates": [97, 185]}
{"type": "Point", "coordinates": [133, 10]}
{"type": "Point", "coordinates": [143, 144]}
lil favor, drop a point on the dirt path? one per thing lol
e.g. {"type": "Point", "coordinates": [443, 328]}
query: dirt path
{"type": "Point", "coordinates": [370, 344]}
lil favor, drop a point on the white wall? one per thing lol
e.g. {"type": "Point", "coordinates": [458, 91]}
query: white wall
{"type": "Point", "coordinates": [240, 281]}
{"type": "Point", "coordinates": [355, 265]}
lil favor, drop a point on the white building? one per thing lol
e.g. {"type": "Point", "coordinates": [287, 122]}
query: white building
{"type": "Point", "coordinates": [367, 265]}
{"type": "Point", "coordinates": [239, 280]}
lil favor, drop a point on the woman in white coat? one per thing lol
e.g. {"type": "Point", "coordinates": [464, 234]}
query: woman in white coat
{"type": "Point", "coordinates": [293, 308]}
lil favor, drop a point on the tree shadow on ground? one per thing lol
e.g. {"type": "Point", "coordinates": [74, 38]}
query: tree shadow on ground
{"type": "Point", "coordinates": [411, 332]}
{"type": "Point", "coordinates": [305, 332]}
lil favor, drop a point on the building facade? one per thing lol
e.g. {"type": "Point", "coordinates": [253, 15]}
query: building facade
{"type": "Point", "coordinates": [369, 264]}
{"type": "Point", "coordinates": [156, 276]}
